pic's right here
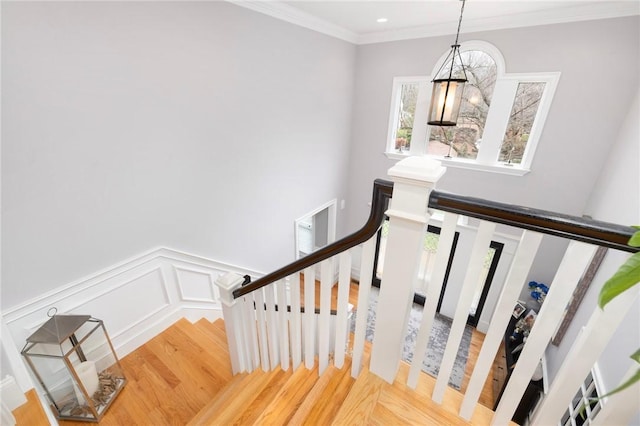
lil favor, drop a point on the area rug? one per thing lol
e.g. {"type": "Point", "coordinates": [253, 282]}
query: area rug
{"type": "Point", "coordinates": [437, 340]}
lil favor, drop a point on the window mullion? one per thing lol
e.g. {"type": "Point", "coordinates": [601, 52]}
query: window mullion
{"type": "Point", "coordinates": [497, 119]}
{"type": "Point", "coordinates": [419, 132]}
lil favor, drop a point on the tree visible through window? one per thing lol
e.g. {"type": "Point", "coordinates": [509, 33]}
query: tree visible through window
{"type": "Point", "coordinates": [466, 137]}
{"type": "Point", "coordinates": [523, 113]}
{"type": "Point", "coordinates": [500, 121]}
{"type": "Point", "coordinates": [408, 99]}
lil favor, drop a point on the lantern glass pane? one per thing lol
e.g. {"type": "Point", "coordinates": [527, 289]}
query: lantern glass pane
{"type": "Point", "coordinates": [60, 386]}
{"type": "Point", "coordinates": [80, 375]}
{"type": "Point", "coordinates": [445, 102]}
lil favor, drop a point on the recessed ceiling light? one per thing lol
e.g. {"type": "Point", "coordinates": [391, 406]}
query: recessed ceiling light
{"type": "Point", "coordinates": [381, 20]}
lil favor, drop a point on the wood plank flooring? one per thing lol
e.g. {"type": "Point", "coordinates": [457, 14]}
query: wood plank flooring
{"type": "Point", "coordinates": [30, 413]}
{"type": "Point", "coordinates": [174, 378]}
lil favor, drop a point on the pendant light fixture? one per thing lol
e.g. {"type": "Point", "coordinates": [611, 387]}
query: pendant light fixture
{"type": "Point", "coordinates": [447, 92]}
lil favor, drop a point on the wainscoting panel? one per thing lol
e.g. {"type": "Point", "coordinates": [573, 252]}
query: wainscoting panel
{"type": "Point", "coordinates": [136, 299]}
{"type": "Point", "coordinates": [196, 285]}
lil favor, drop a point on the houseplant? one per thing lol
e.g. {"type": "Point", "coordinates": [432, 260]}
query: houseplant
{"type": "Point", "coordinates": [626, 277]}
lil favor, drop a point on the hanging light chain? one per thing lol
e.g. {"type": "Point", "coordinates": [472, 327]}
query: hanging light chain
{"type": "Point", "coordinates": [460, 21]}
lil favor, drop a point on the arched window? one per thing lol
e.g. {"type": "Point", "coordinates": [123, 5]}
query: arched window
{"type": "Point", "coordinates": [500, 119]}
{"type": "Point", "coordinates": [463, 140]}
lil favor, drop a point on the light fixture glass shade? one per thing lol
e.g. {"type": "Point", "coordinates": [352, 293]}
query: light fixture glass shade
{"type": "Point", "coordinates": [445, 101]}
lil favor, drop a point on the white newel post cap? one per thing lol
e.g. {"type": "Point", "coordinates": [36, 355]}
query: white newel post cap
{"type": "Point", "coordinates": [423, 169]}
{"type": "Point", "coordinates": [227, 283]}
{"type": "Point", "coordinates": [413, 178]}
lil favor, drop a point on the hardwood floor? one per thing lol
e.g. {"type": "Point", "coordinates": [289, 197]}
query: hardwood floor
{"type": "Point", "coordinates": [170, 378]}
{"type": "Point", "coordinates": [32, 412]}
{"type": "Point", "coordinates": [177, 374]}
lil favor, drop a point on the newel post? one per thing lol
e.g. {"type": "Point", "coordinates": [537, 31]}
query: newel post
{"type": "Point", "coordinates": [232, 313]}
{"type": "Point", "coordinates": [413, 178]}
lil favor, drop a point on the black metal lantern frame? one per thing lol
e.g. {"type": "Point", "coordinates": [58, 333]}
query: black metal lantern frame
{"type": "Point", "coordinates": [73, 359]}
{"type": "Point", "coordinates": [446, 96]}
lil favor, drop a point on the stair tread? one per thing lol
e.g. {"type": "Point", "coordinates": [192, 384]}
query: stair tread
{"type": "Point", "coordinates": [265, 395]}
{"type": "Point", "coordinates": [215, 331]}
{"type": "Point", "coordinates": [337, 389]}
{"type": "Point", "coordinates": [223, 397]}
{"type": "Point", "coordinates": [314, 394]}
{"type": "Point", "coordinates": [245, 397]}
{"type": "Point", "coordinates": [361, 401]}
{"type": "Point", "coordinates": [289, 398]}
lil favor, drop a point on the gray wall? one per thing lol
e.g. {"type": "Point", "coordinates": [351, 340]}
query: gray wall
{"type": "Point", "coordinates": [615, 198]}
{"type": "Point", "coordinates": [128, 126]}
{"type": "Point", "coordinates": [583, 120]}
{"type": "Point", "coordinates": [586, 113]}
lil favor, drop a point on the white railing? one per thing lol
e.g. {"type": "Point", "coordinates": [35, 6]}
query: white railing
{"type": "Point", "coordinates": [269, 326]}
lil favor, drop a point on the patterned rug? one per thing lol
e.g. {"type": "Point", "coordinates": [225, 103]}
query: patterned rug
{"type": "Point", "coordinates": [437, 340]}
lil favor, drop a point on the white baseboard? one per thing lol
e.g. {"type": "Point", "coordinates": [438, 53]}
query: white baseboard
{"type": "Point", "coordinates": [136, 299]}
{"type": "Point", "coordinates": [10, 393]}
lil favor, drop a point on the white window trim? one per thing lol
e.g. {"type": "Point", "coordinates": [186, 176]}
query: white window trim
{"type": "Point", "coordinates": [597, 382]}
{"type": "Point", "coordinates": [497, 119]}
{"type": "Point", "coordinates": [422, 104]}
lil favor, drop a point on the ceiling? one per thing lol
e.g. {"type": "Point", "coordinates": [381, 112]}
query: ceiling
{"type": "Point", "coordinates": [356, 21]}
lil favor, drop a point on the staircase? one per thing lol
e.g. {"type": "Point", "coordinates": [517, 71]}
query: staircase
{"type": "Point", "coordinates": [239, 371]}
{"type": "Point", "coordinates": [183, 376]}
{"type": "Point", "coordinates": [276, 397]}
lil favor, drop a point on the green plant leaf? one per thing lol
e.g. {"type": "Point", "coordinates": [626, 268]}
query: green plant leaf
{"type": "Point", "coordinates": [631, 381]}
{"type": "Point", "coordinates": [636, 356]}
{"type": "Point", "coordinates": [625, 277]}
{"type": "Point", "coordinates": [634, 241]}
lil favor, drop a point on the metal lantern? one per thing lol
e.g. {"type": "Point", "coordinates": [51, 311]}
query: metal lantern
{"type": "Point", "coordinates": [74, 361]}
{"type": "Point", "coordinates": [446, 97]}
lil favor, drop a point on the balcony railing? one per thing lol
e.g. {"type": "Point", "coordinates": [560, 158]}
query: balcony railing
{"type": "Point", "coordinates": [262, 335]}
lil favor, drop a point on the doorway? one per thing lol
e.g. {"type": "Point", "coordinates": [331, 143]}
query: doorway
{"type": "Point", "coordinates": [483, 285]}
{"type": "Point", "coordinates": [427, 264]}
{"type": "Point", "coordinates": [315, 229]}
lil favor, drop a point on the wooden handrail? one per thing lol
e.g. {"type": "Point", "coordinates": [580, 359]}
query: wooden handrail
{"type": "Point", "coordinates": [571, 227]}
{"type": "Point", "coordinates": [381, 193]}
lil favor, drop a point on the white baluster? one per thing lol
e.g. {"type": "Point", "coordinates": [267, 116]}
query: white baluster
{"type": "Point", "coordinates": [324, 319]}
{"type": "Point", "coordinates": [584, 353]}
{"type": "Point", "coordinates": [413, 178]}
{"type": "Point", "coordinates": [262, 329]}
{"type": "Point", "coordinates": [309, 317]}
{"type": "Point", "coordinates": [344, 282]}
{"type": "Point", "coordinates": [520, 266]}
{"type": "Point", "coordinates": [272, 326]}
{"type": "Point", "coordinates": [364, 288]}
{"type": "Point", "coordinates": [445, 244]}
{"type": "Point", "coordinates": [232, 313]}
{"type": "Point", "coordinates": [574, 263]}
{"type": "Point", "coordinates": [251, 332]}
{"type": "Point", "coordinates": [478, 254]}
{"type": "Point", "coordinates": [284, 324]}
{"type": "Point", "coordinates": [296, 326]}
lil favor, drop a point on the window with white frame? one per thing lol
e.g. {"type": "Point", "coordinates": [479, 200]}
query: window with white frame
{"type": "Point", "coordinates": [585, 405]}
{"type": "Point", "coordinates": [500, 122]}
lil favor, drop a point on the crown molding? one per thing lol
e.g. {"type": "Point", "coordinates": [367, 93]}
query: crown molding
{"type": "Point", "coordinates": [295, 16]}
{"type": "Point", "coordinates": [578, 12]}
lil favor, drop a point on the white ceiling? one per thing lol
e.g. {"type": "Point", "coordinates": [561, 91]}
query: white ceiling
{"type": "Point", "coordinates": [355, 21]}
